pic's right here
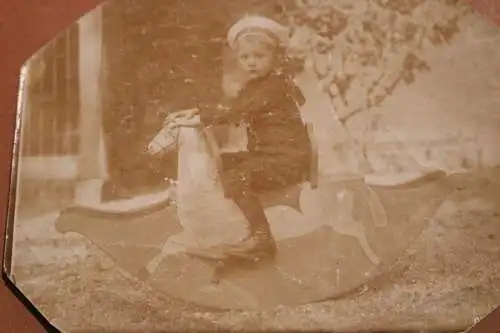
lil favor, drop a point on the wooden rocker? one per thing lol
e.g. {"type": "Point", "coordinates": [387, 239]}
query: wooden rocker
{"type": "Point", "coordinates": [295, 276]}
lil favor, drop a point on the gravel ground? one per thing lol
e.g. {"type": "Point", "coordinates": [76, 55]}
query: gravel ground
{"type": "Point", "coordinates": [448, 278]}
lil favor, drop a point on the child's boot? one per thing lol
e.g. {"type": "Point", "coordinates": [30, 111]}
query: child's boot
{"type": "Point", "coordinates": [260, 246]}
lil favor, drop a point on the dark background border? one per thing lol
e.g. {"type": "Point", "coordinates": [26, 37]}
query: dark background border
{"type": "Point", "coordinates": [24, 27]}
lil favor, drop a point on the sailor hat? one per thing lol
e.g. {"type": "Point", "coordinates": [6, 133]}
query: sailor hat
{"type": "Point", "coordinates": [272, 31]}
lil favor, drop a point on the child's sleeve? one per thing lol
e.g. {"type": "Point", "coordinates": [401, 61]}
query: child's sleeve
{"type": "Point", "coordinates": [236, 112]}
{"type": "Point", "coordinates": [211, 115]}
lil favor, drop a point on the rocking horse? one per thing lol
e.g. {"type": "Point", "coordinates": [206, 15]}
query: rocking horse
{"type": "Point", "coordinates": [333, 233]}
{"type": "Point", "coordinates": [322, 260]}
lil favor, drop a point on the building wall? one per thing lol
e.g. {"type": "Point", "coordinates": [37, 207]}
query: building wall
{"type": "Point", "coordinates": [61, 121]}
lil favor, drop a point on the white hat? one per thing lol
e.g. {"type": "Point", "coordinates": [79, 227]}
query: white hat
{"type": "Point", "coordinates": [257, 25]}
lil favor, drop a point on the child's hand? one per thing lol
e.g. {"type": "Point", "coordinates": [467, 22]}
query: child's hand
{"type": "Point", "coordinates": [182, 114]}
{"type": "Point", "coordinates": [188, 121]}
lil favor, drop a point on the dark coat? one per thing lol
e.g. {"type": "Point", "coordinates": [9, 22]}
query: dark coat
{"type": "Point", "coordinates": [268, 106]}
{"type": "Point", "coordinates": [278, 144]}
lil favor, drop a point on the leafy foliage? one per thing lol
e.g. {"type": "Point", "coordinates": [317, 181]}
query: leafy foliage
{"type": "Point", "coordinates": [371, 46]}
{"type": "Point", "coordinates": [362, 51]}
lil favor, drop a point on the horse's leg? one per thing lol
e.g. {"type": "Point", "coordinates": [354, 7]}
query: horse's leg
{"type": "Point", "coordinates": [335, 204]}
{"type": "Point", "coordinates": [171, 246]}
{"type": "Point", "coordinates": [346, 199]}
{"type": "Point", "coordinates": [189, 148]}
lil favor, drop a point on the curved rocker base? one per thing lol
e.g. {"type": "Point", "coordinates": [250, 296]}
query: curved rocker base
{"type": "Point", "coordinates": [318, 265]}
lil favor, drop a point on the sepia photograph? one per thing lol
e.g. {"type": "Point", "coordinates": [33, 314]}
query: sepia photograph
{"type": "Point", "coordinates": [251, 165]}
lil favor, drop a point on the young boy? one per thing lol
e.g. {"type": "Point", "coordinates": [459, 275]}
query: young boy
{"type": "Point", "coordinates": [278, 146]}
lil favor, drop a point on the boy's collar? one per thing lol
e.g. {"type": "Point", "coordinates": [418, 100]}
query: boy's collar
{"type": "Point", "coordinates": [271, 74]}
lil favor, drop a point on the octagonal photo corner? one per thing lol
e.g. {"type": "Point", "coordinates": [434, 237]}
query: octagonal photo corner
{"type": "Point", "coordinates": [259, 165]}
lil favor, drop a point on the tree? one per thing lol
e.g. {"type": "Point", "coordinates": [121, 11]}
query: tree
{"type": "Point", "coordinates": [362, 51]}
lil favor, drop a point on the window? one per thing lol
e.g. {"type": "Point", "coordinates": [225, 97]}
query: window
{"type": "Point", "coordinates": [50, 125]}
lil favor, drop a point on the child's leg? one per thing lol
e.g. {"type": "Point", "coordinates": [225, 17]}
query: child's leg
{"type": "Point", "coordinates": [237, 177]}
{"type": "Point", "coordinates": [247, 174]}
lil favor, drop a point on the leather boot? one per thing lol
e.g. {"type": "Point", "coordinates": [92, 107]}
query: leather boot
{"type": "Point", "coordinates": [261, 243]}
{"type": "Point", "coordinates": [258, 247]}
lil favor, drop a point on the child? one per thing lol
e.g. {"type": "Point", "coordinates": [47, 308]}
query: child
{"type": "Point", "coordinates": [278, 146]}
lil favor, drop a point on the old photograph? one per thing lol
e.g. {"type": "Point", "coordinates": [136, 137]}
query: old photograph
{"type": "Point", "coordinates": [252, 165]}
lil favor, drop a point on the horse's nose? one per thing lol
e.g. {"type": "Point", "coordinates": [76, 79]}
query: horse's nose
{"type": "Point", "coordinates": [151, 148]}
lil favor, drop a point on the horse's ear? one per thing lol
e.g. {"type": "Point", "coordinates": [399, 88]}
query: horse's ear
{"type": "Point", "coordinates": [299, 96]}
